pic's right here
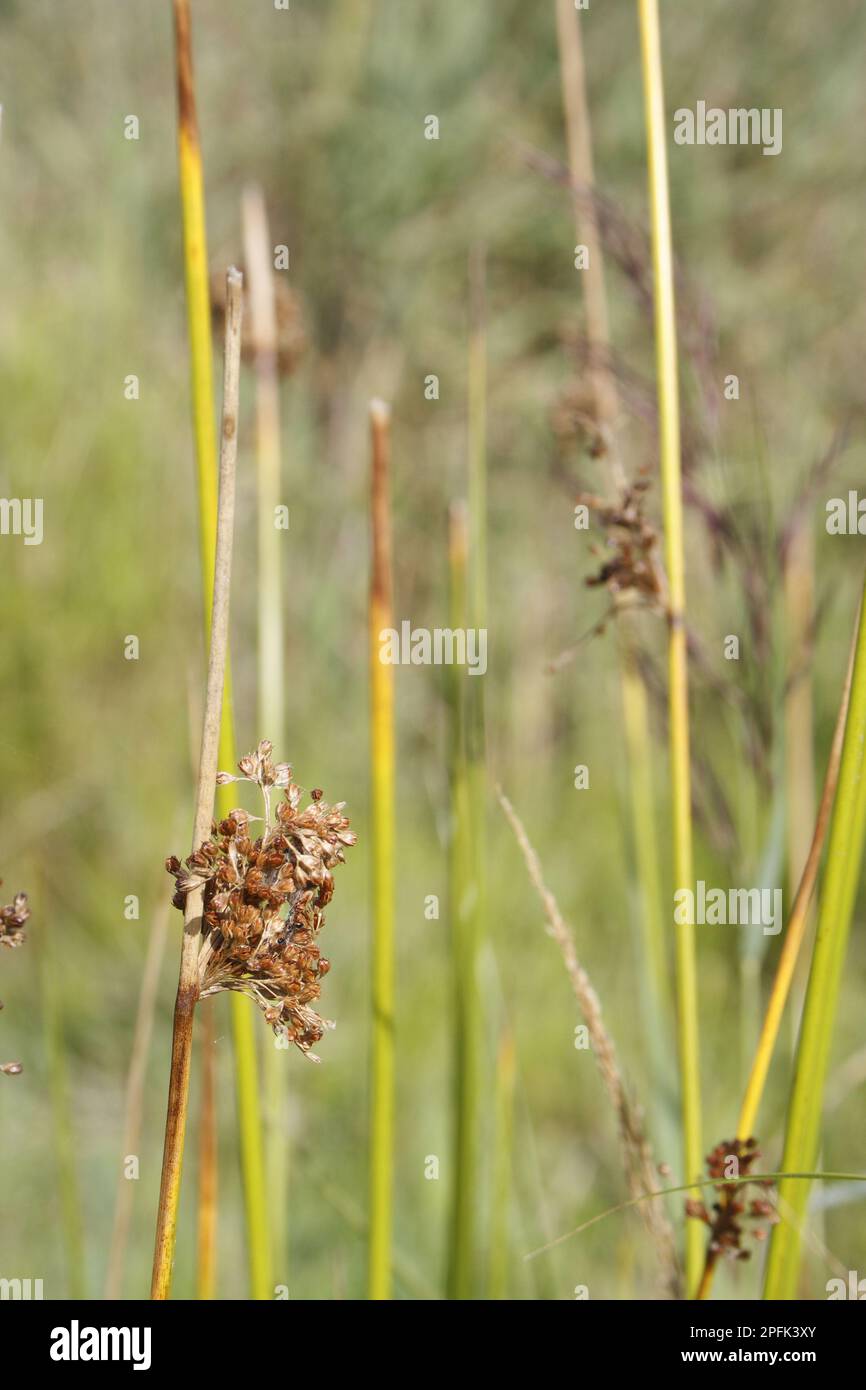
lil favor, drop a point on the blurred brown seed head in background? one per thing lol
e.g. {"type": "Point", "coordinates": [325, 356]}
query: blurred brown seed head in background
{"type": "Point", "coordinates": [12, 921]}
{"type": "Point", "coordinates": [291, 330]}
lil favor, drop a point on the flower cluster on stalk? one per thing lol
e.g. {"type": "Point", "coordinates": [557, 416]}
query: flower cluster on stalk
{"type": "Point", "coordinates": [728, 1218]}
{"type": "Point", "coordinates": [264, 898]}
{"type": "Point", "coordinates": [13, 918]}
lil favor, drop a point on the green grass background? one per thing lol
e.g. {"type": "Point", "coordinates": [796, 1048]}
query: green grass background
{"type": "Point", "coordinates": [325, 106]}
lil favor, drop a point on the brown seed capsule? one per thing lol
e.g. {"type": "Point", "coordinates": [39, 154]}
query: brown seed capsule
{"type": "Point", "coordinates": [263, 899]}
{"type": "Point", "coordinates": [734, 1158]}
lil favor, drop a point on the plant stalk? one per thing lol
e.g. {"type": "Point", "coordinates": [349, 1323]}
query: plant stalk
{"type": "Point", "coordinates": [470, 928]}
{"type": "Point", "coordinates": [271, 649]}
{"type": "Point", "coordinates": [636, 725]}
{"type": "Point", "coordinates": [839, 889]}
{"type": "Point", "coordinates": [188, 983]}
{"type": "Point", "coordinates": [790, 953]}
{"type": "Point", "coordinates": [678, 691]}
{"type": "Point", "coordinates": [503, 1145]}
{"type": "Point", "coordinates": [201, 371]}
{"type": "Point", "coordinates": [467, 1022]}
{"type": "Point", "coordinates": [382, 790]}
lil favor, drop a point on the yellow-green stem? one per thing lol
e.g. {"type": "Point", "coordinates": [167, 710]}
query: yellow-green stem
{"type": "Point", "coordinates": [502, 1161]}
{"type": "Point", "coordinates": [468, 550]}
{"type": "Point", "coordinates": [467, 1028]}
{"type": "Point", "coordinates": [382, 825]}
{"type": "Point", "coordinates": [799, 594]}
{"type": "Point", "coordinates": [839, 888]}
{"type": "Point", "coordinates": [678, 694]}
{"type": "Point", "coordinates": [638, 742]}
{"type": "Point", "coordinates": [790, 953]}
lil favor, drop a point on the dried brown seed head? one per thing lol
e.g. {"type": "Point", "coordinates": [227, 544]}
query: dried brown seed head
{"type": "Point", "coordinates": [13, 918]}
{"type": "Point", "coordinates": [264, 899]}
{"type": "Point", "coordinates": [728, 1229]}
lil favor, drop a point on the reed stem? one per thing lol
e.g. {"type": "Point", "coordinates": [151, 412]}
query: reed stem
{"type": "Point", "coordinates": [188, 983]}
{"type": "Point", "coordinates": [678, 691]}
{"type": "Point", "coordinates": [470, 591]}
{"type": "Point", "coordinates": [201, 372]}
{"type": "Point", "coordinates": [503, 1143]}
{"type": "Point", "coordinates": [839, 888]}
{"type": "Point", "coordinates": [271, 649]}
{"type": "Point", "coordinates": [790, 952]}
{"type": "Point", "coordinates": [467, 1021]}
{"type": "Point", "coordinates": [636, 725]}
{"type": "Point", "coordinates": [799, 599]}
{"type": "Point", "coordinates": [797, 923]}
{"type": "Point", "coordinates": [382, 817]}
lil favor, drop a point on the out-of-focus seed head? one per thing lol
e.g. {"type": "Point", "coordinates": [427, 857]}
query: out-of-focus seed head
{"type": "Point", "coordinates": [632, 562]}
{"type": "Point", "coordinates": [13, 918]}
{"type": "Point", "coordinates": [729, 1215]}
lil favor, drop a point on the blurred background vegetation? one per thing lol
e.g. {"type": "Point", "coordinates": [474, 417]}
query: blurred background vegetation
{"type": "Point", "coordinates": [324, 106]}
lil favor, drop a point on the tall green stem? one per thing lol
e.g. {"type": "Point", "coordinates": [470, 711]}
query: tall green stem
{"type": "Point", "coordinates": [382, 774]}
{"type": "Point", "coordinates": [467, 1023]}
{"type": "Point", "coordinates": [636, 724]}
{"type": "Point", "coordinates": [839, 890]}
{"type": "Point", "coordinates": [469, 789]}
{"type": "Point", "coordinates": [503, 1142]}
{"type": "Point", "coordinates": [678, 691]}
